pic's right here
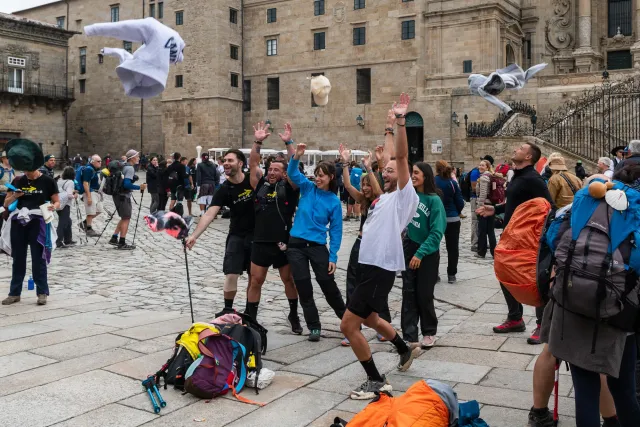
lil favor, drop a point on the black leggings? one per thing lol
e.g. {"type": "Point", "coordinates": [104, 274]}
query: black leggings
{"type": "Point", "coordinates": [452, 239]}
{"type": "Point", "coordinates": [486, 230]}
{"type": "Point", "coordinates": [300, 254]}
{"type": "Point", "coordinates": [623, 390]}
{"type": "Point", "coordinates": [64, 225]}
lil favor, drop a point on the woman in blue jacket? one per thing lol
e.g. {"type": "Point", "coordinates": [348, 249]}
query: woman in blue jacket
{"type": "Point", "coordinates": [453, 205]}
{"type": "Point", "coordinates": [318, 208]}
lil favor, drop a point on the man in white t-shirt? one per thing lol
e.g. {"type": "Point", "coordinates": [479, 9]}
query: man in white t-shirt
{"type": "Point", "coordinates": [381, 256]}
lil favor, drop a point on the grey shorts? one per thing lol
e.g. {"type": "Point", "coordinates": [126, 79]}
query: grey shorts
{"type": "Point", "coordinates": [123, 206]}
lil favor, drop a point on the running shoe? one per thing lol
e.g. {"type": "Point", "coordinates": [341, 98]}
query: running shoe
{"type": "Point", "coordinates": [60, 245]}
{"type": "Point", "coordinates": [314, 336]}
{"type": "Point", "coordinates": [427, 342]}
{"type": "Point", "coordinates": [451, 278]}
{"type": "Point", "coordinates": [126, 247]}
{"type": "Point", "coordinates": [534, 339]}
{"type": "Point", "coordinates": [510, 326]}
{"type": "Point", "coordinates": [113, 241]}
{"type": "Point", "coordinates": [345, 342]}
{"type": "Point", "coordinates": [406, 359]}
{"type": "Point", "coordinates": [294, 320]}
{"type": "Point", "coordinates": [369, 388]}
{"type": "Point", "coordinates": [540, 418]}
{"type": "Point", "coordinates": [92, 233]}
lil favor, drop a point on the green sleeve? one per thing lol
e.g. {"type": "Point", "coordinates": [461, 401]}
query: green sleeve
{"type": "Point", "coordinates": [437, 225]}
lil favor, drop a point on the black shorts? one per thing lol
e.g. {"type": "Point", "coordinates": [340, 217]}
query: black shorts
{"type": "Point", "coordinates": [265, 254]}
{"type": "Point", "coordinates": [372, 290]}
{"type": "Point", "coordinates": [351, 201]}
{"type": "Point", "coordinates": [237, 255]}
{"type": "Point", "coordinates": [123, 206]}
{"type": "Point", "coordinates": [177, 193]}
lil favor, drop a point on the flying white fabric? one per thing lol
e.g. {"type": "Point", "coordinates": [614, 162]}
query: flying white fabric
{"type": "Point", "coordinates": [144, 73]}
{"type": "Point", "coordinates": [510, 78]}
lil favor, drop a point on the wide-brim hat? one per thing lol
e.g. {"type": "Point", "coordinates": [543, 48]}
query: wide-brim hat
{"type": "Point", "coordinates": [24, 154]}
{"type": "Point", "coordinates": [616, 149]}
{"type": "Point", "coordinates": [320, 88]}
{"type": "Point", "coordinates": [557, 164]}
{"type": "Point", "coordinates": [488, 158]}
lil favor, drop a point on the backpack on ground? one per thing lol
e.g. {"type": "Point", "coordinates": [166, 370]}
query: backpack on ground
{"type": "Point", "coordinates": [247, 320]}
{"type": "Point", "coordinates": [250, 339]}
{"type": "Point", "coordinates": [465, 187]}
{"type": "Point", "coordinates": [515, 259]}
{"type": "Point", "coordinates": [77, 182]}
{"type": "Point", "coordinates": [497, 188]}
{"type": "Point", "coordinates": [174, 370]}
{"type": "Point", "coordinates": [598, 260]}
{"type": "Point", "coordinates": [113, 184]}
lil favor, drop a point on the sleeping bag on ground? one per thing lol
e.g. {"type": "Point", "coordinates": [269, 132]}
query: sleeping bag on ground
{"type": "Point", "coordinates": [516, 255]}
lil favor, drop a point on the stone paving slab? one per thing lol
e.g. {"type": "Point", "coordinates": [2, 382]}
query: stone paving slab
{"type": "Point", "coordinates": [82, 347]}
{"type": "Point", "coordinates": [34, 316]}
{"type": "Point", "coordinates": [301, 350]}
{"type": "Point", "coordinates": [140, 367]}
{"type": "Point", "coordinates": [154, 345]}
{"type": "Point", "coordinates": [214, 413]}
{"type": "Point", "coordinates": [112, 415]}
{"type": "Point", "coordinates": [509, 417]}
{"type": "Point", "coordinates": [327, 419]}
{"type": "Point", "coordinates": [64, 399]}
{"type": "Point", "coordinates": [467, 297]}
{"type": "Point", "coordinates": [496, 359]}
{"type": "Point", "coordinates": [518, 380]}
{"type": "Point", "coordinates": [448, 371]}
{"type": "Point", "coordinates": [21, 330]}
{"type": "Point", "coordinates": [49, 338]}
{"type": "Point", "coordinates": [472, 341]}
{"type": "Point", "coordinates": [157, 329]}
{"type": "Point", "coordinates": [52, 304]}
{"type": "Point", "coordinates": [283, 383]}
{"type": "Point", "coordinates": [19, 362]}
{"type": "Point", "coordinates": [175, 400]}
{"type": "Point", "coordinates": [323, 363]}
{"type": "Point", "coordinates": [518, 345]}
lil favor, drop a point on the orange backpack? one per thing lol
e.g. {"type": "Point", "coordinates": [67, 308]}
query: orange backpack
{"type": "Point", "coordinates": [420, 406]}
{"type": "Point", "coordinates": [516, 256]}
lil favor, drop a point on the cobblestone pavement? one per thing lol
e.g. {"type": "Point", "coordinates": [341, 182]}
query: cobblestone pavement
{"type": "Point", "coordinates": [112, 318]}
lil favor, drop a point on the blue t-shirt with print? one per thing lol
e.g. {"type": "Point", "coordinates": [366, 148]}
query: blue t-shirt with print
{"type": "Point", "coordinates": [474, 175]}
{"type": "Point", "coordinates": [90, 175]}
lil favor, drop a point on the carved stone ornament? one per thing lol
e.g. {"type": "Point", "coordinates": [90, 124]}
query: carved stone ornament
{"type": "Point", "coordinates": [616, 42]}
{"type": "Point", "coordinates": [560, 28]}
{"type": "Point", "coordinates": [339, 12]}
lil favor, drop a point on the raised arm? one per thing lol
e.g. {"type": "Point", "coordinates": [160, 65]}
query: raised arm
{"type": "Point", "coordinates": [288, 142]}
{"type": "Point", "coordinates": [255, 173]}
{"type": "Point", "coordinates": [353, 192]}
{"type": "Point", "coordinates": [135, 30]}
{"type": "Point", "coordinates": [335, 235]}
{"type": "Point", "coordinates": [375, 184]}
{"type": "Point", "coordinates": [389, 147]}
{"type": "Point", "coordinates": [402, 150]}
{"type": "Point", "coordinates": [294, 174]}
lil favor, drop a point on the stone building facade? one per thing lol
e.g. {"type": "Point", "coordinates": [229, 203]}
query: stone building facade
{"type": "Point", "coordinates": [251, 60]}
{"type": "Point", "coordinates": [34, 96]}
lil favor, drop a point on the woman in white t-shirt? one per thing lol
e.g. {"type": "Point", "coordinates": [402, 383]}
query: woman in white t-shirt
{"type": "Point", "coordinates": [67, 194]}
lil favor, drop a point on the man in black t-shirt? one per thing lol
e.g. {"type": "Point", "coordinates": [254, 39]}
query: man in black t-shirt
{"type": "Point", "coordinates": [176, 177]}
{"type": "Point", "coordinates": [237, 194]}
{"type": "Point", "coordinates": [276, 200]}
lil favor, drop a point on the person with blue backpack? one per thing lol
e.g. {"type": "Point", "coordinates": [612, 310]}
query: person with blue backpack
{"type": "Point", "coordinates": [87, 184]}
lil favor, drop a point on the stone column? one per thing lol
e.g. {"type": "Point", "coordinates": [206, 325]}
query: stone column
{"type": "Point", "coordinates": [635, 49]}
{"type": "Point", "coordinates": [586, 58]}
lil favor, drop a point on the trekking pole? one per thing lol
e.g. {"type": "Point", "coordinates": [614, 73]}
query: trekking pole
{"type": "Point", "coordinates": [186, 264]}
{"type": "Point", "coordinates": [137, 219]}
{"type": "Point", "coordinates": [79, 216]}
{"type": "Point", "coordinates": [105, 226]}
{"type": "Point", "coordinates": [147, 385]}
{"type": "Point", "coordinates": [556, 386]}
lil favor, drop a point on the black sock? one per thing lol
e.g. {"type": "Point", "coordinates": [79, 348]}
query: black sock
{"type": "Point", "coordinates": [228, 303]}
{"type": "Point", "coordinates": [400, 344]}
{"type": "Point", "coordinates": [89, 227]}
{"type": "Point", "coordinates": [252, 309]}
{"type": "Point", "coordinates": [121, 241]}
{"type": "Point", "coordinates": [293, 307]}
{"type": "Point", "coordinates": [114, 237]}
{"type": "Point", "coordinates": [371, 370]}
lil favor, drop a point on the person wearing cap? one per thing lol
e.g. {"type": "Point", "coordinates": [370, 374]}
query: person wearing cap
{"type": "Point", "coordinates": [563, 185]}
{"type": "Point", "coordinates": [632, 157]}
{"type": "Point", "coordinates": [122, 201]}
{"type": "Point", "coordinates": [580, 172]}
{"type": "Point", "coordinates": [618, 154]}
{"type": "Point", "coordinates": [26, 225]}
{"type": "Point", "coordinates": [49, 164]}
{"type": "Point", "coordinates": [605, 167]}
{"type": "Point", "coordinates": [91, 196]}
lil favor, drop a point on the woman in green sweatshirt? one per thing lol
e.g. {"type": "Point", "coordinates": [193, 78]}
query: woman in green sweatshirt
{"type": "Point", "coordinates": [422, 256]}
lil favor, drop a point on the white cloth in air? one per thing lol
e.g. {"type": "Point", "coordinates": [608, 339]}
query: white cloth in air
{"type": "Point", "coordinates": [511, 78]}
{"type": "Point", "coordinates": [143, 73]}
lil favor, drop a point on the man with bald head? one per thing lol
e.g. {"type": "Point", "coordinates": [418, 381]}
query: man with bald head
{"type": "Point", "coordinates": [92, 199]}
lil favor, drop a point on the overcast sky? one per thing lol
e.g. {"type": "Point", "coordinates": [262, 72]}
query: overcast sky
{"type": "Point", "coordinates": [8, 6]}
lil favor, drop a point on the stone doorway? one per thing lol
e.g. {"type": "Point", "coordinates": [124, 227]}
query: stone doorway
{"type": "Point", "coordinates": [415, 137]}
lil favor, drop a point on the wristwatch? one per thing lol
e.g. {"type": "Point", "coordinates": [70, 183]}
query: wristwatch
{"type": "Point", "coordinates": [289, 142]}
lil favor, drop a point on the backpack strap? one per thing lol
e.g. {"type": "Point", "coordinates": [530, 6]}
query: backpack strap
{"type": "Point", "coordinates": [573, 189]}
{"type": "Point", "coordinates": [206, 333]}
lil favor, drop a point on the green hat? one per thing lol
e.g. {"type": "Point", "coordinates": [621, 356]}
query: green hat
{"type": "Point", "coordinates": [24, 154]}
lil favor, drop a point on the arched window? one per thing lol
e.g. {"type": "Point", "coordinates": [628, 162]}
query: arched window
{"type": "Point", "coordinates": [511, 55]}
{"type": "Point", "coordinates": [620, 12]}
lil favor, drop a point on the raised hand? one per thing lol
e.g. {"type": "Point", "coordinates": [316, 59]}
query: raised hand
{"type": "Point", "coordinates": [391, 119]}
{"type": "Point", "coordinates": [366, 160]}
{"type": "Point", "coordinates": [380, 152]}
{"type": "Point", "coordinates": [345, 153]}
{"type": "Point", "coordinates": [401, 108]}
{"type": "Point", "coordinates": [260, 133]}
{"type": "Point", "coordinates": [300, 149]}
{"type": "Point", "coordinates": [286, 135]}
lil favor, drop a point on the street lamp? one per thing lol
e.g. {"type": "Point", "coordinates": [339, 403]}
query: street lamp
{"type": "Point", "coordinates": [360, 121]}
{"type": "Point", "coordinates": [454, 118]}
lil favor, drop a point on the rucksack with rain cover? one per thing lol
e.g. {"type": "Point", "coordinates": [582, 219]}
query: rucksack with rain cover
{"type": "Point", "coordinates": [113, 184]}
{"type": "Point", "coordinates": [598, 260]}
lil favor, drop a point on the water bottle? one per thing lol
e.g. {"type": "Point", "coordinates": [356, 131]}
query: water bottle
{"type": "Point", "coordinates": [30, 286]}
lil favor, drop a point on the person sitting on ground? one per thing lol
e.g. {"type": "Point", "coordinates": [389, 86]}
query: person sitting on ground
{"type": "Point", "coordinates": [453, 204]}
{"type": "Point", "coordinates": [122, 201]}
{"type": "Point", "coordinates": [605, 167]}
{"type": "Point", "coordinates": [563, 185]}
{"type": "Point", "coordinates": [33, 189]}
{"type": "Point", "coordinates": [67, 193]}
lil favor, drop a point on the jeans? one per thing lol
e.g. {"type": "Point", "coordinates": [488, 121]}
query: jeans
{"type": "Point", "coordinates": [417, 295]}
{"type": "Point", "coordinates": [474, 224]}
{"type": "Point", "coordinates": [155, 202]}
{"type": "Point", "coordinates": [64, 225]}
{"type": "Point", "coordinates": [623, 389]}
{"type": "Point", "coordinates": [352, 271]}
{"type": "Point", "coordinates": [452, 239]}
{"type": "Point", "coordinates": [515, 308]}
{"type": "Point", "coordinates": [486, 230]}
{"type": "Point", "coordinates": [21, 237]}
{"type": "Point", "coordinates": [300, 254]}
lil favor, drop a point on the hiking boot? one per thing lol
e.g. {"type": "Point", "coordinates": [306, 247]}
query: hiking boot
{"type": "Point", "coordinates": [510, 326]}
{"type": "Point", "coordinates": [479, 256]}
{"type": "Point", "coordinates": [369, 388]}
{"type": "Point", "coordinates": [540, 418]}
{"type": "Point", "coordinates": [71, 243]}
{"type": "Point", "coordinates": [345, 342]}
{"type": "Point", "coordinates": [92, 233]}
{"type": "Point", "coordinates": [406, 359]}
{"type": "Point", "coordinates": [113, 241]}
{"type": "Point", "coordinates": [451, 278]}
{"type": "Point", "coordinates": [534, 339]}
{"type": "Point", "coordinates": [427, 342]}
{"type": "Point", "coordinates": [42, 299]}
{"type": "Point", "coordinates": [10, 300]}
{"type": "Point", "coordinates": [296, 328]}
{"type": "Point", "coordinates": [126, 247]}
{"type": "Point", "coordinates": [60, 245]}
{"type": "Point", "coordinates": [314, 336]}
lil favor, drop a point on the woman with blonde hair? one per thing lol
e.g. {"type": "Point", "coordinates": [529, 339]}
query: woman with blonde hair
{"type": "Point", "coordinates": [486, 225]}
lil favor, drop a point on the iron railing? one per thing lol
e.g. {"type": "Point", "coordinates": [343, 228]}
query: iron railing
{"type": "Point", "coordinates": [485, 130]}
{"type": "Point", "coordinates": [35, 89]}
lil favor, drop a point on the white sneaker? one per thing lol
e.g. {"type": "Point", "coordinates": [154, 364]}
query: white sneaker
{"type": "Point", "coordinates": [428, 341]}
{"type": "Point", "coordinates": [368, 389]}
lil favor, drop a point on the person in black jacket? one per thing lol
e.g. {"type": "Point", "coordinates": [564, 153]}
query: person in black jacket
{"type": "Point", "coordinates": [163, 185]}
{"type": "Point", "coordinates": [580, 172]}
{"type": "Point", "coordinates": [207, 180]}
{"type": "Point", "coordinates": [176, 175]}
{"type": "Point", "coordinates": [153, 178]}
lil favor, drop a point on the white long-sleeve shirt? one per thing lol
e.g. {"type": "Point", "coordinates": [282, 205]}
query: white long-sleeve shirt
{"type": "Point", "coordinates": [143, 73]}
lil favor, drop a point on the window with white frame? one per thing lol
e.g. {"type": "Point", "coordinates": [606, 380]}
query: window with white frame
{"type": "Point", "coordinates": [16, 80]}
{"type": "Point", "coordinates": [18, 62]}
{"type": "Point", "coordinates": [272, 47]}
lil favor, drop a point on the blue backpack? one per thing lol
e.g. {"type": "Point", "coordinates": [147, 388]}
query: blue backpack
{"type": "Point", "coordinates": [77, 182]}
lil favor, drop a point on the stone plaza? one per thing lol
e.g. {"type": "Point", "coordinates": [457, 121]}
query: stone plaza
{"type": "Point", "coordinates": [113, 316]}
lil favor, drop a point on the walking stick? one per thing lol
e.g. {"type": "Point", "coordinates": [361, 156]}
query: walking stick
{"type": "Point", "coordinates": [105, 226]}
{"type": "Point", "coordinates": [79, 216]}
{"type": "Point", "coordinates": [186, 264]}
{"type": "Point", "coordinates": [137, 219]}
{"type": "Point", "coordinates": [556, 387]}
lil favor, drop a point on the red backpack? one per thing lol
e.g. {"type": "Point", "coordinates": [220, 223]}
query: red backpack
{"type": "Point", "coordinates": [497, 188]}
